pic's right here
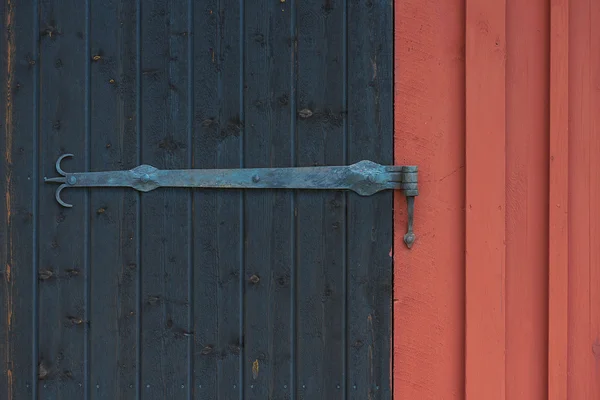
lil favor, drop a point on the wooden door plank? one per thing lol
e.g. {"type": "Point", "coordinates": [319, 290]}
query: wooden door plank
{"type": "Point", "coordinates": [207, 299]}
{"type": "Point", "coordinates": [114, 269]}
{"type": "Point", "coordinates": [64, 233]}
{"type": "Point", "coordinates": [485, 199]}
{"type": "Point", "coordinates": [19, 182]}
{"type": "Point", "coordinates": [369, 102]}
{"type": "Point", "coordinates": [165, 217]}
{"type": "Point", "coordinates": [320, 250]}
{"type": "Point", "coordinates": [558, 244]}
{"type": "Point", "coordinates": [429, 278]}
{"type": "Point", "coordinates": [218, 213]}
{"type": "Point", "coordinates": [268, 214]}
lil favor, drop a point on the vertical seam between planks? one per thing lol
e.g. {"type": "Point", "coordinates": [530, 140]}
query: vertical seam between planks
{"type": "Point", "coordinates": [393, 238]}
{"type": "Point", "coordinates": [242, 228]}
{"type": "Point", "coordinates": [505, 193]}
{"type": "Point", "coordinates": [345, 201]}
{"type": "Point", "coordinates": [138, 221]}
{"type": "Point", "coordinates": [294, 226]}
{"type": "Point", "coordinates": [588, 140]}
{"type": "Point", "coordinates": [87, 207]}
{"type": "Point", "coordinates": [503, 304]}
{"type": "Point", "coordinates": [191, 219]}
{"type": "Point", "coordinates": [36, 203]}
{"type": "Point", "coordinates": [218, 44]}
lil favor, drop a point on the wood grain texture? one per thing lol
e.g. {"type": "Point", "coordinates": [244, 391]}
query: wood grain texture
{"type": "Point", "coordinates": [544, 77]}
{"type": "Point", "coordinates": [369, 289]}
{"type": "Point", "coordinates": [558, 243]}
{"type": "Point", "coordinates": [18, 252]}
{"type": "Point", "coordinates": [218, 215]}
{"type": "Point", "coordinates": [268, 214]}
{"type": "Point", "coordinates": [5, 235]}
{"type": "Point", "coordinates": [594, 196]}
{"type": "Point", "coordinates": [114, 269]}
{"type": "Point", "coordinates": [165, 214]}
{"type": "Point", "coordinates": [429, 124]}
{"type": "Point", "coordinates": [321, 261]}
{"type": "Point", "coordinates": [63, 235]}
{"type": "Point", "coordinates": [485, 66]}
{"type": "Point", "coordinates": [180, 293]}
{"type": "Point", "coordinates": [583, 321]}
{"type": "Point", "coordinates": [527, 118]}
{"type": "Point", "coordinates": [211, 356]}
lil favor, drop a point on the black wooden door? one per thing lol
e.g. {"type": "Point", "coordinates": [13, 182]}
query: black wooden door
{"type": "Point", "coordinates": [206, 294]}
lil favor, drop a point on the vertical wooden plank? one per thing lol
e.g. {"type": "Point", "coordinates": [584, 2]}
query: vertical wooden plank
{"type": "Point", "coordinates": [191, 141]}
{"type": "Point", "coordinates": [594, 183]}
{"type": "Point", "coordinates": [114, 144]}
{"type": "Point", "coordinates": [369, 238]}
{"type": "Point", "coordinates": [558, 243]}
{"type": "Point", "coordinates": [580, 125]}
{"type": "Point", "coordinates": [18, 184]}
{"type": "Point", "coordinates": [527, 119]}
{"type": "Point", "coordinates": [207, 103]}
{"type": "Point", "coordinates": [63, 240]}
{"type": "Point", "coordinates": [485, 199]}
{"type": "Point", "coordinates": [165, 216]}
{"type": "Point", "coordinates": [267, 213]}
{"type": "Point", "coordinates": [321, 221]}
{"type": "Point", "coordinates": [429, 132]}
{"type": "Point", "coordinates": [219, 126]}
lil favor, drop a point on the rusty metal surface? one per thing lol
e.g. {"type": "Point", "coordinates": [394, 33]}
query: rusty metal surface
{"type": "Point", "coordinates": [364, 178]}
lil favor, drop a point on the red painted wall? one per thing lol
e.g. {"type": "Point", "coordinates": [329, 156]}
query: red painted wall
{"type": "Point", "coordinates": [498, 102]}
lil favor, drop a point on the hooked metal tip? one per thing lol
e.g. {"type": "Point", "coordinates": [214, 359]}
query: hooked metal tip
{"type": "Point", "coordinates": [57, 196]}
{"type": "Point", "coordinates": [58, 168]}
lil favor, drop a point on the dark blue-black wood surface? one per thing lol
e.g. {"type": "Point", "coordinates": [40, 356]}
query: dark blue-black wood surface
{"type": "Point", "coordinates": [202, 294]}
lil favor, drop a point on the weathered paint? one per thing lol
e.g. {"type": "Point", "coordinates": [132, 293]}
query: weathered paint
{"type": "Point", "coordinates": [558, 244]}
{"type": "Point", "coordinates": [527, 98]}
{"type": "Point", "coordinates": [429, 278]}
{"type": "Point", "coordinates": [527, 122]}
{"type": "Point", "coordinates": [206, 293]}
{"type": "Point", "coordinates": [9, 52]}
{"type": "Point", "coordinates": [17, 252]}
{"type": "Point", "coordinates": [485, 201]}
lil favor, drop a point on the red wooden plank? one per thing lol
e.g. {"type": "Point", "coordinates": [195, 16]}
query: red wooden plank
{"type": "Point", "coordinates": [579, 347]}
{"type": "Point", "coordinates": [594, 232]}
{"type": "Point", "coordinates": [485, 199]}
{"type": "Point", "coordinates": [429, 278]}
{"type": "Point", "coordinates": [558, 249]}
{"type": "Point", "coordinates": [584, 269]}
{"type": "Point", "coordinates": [527, 81]}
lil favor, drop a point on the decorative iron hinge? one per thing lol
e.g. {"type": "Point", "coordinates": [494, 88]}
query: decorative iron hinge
{"type": "Point", "coordinates": [365, 178]}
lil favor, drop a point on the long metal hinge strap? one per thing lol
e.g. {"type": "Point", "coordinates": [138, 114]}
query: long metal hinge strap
{"type": "Point", "coordinates": [365, 178]}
